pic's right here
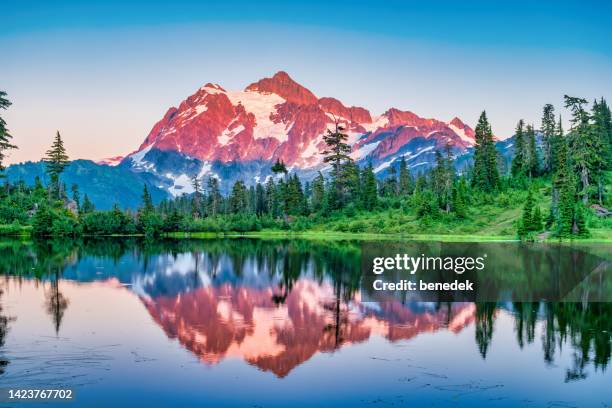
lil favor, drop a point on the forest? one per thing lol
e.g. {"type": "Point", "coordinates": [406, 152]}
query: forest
{"type": "Point", "coordinates": [556, 187]}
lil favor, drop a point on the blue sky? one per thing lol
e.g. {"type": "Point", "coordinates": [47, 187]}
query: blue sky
{"type": "Point", "coordinates": [104, 73]}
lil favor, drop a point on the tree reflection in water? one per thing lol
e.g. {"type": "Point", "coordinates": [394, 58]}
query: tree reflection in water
{"type": "Point", "coordinates": [276, 303]}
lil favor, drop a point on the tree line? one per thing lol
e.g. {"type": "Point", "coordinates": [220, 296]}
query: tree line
{"type": "Point", "coordinates": [574, 163]}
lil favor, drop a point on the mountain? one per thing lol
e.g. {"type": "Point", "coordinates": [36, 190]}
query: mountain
{"type": "Point", "coordinates": [104, 185]}
{"type": "Point", "coordinates": [238, 134]}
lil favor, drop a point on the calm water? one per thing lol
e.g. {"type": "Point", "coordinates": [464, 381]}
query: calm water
{"type": "Point", "coordinates": [268, 323]}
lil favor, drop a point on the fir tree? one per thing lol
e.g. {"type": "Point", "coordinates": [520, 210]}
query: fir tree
{"type": "Point", "coordinates": [518, 162]}
{"type": "Point", "coordinates": [260, 200]}
{"type": "Point", "coordinates": [548, 137]}
{"type": "Point", "coordinates": [238, 198]}
{"type": "Point", "coordinates": [56, 161]}
{"type": "Point", "coordinates": [564, 188]}
{"type": "Point", "coordinates": [531, 157]}
{"type": "Point", "coordinates": [215, 200]}
{"type": "Point", "coordinates": [337, 153]}
{"type": "Point", "coordinates": [5, 136]}
{"type": "Point", "coordinates": [87, 206]}
{"type": "Point", "coordinates": [536, 219]}
{"type": "Point", "coordinates": [602, 134]}
{"type": "Point", "coordinates": [405, 178]}
{"type": "Point", "coordinates": [526, 221]}
{"type": "Point", "coordinates": [279, 167]}
{"type": "Point", "coordinates": [585, 146]}
{"type": "Point", "coordinates": [485, 173]}
{"type": "Point", "coordinates": [147, 202]}
{"type": "Point", "coordinates": [318, 192]}
{"type": "Point", "coordinates": [196, 202]}
{"type": "Point", "coordinates": [369, 193]}
{"type": "Point", "coordinates": [76, 197]}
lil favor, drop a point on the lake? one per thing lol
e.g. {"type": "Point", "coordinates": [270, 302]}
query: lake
{"type": "Point", "coordinates": [272, 323]}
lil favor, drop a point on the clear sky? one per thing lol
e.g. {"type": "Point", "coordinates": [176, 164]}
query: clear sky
{"type": "Point", "coordinates": [104, 73]}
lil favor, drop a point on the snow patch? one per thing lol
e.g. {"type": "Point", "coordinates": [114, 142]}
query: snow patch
{"type": "Point", "coordinates": [364, 150]}
{"type": "Point", "coordinates": [138, 157]}
{"type": "Point", "coordinates": [378, 122]}
{"type": "Point", "coordinates": [461, 133]}
{"type": "Point", "coordinates": [262, 106]}
{"type": "Point", "coordinates": [228, 134]}
{"type": "Point", "coordinates": [182, 184]}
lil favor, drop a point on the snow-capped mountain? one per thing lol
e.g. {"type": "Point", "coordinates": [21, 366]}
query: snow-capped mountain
{"type": "Point", "coordinates": [238, 134]}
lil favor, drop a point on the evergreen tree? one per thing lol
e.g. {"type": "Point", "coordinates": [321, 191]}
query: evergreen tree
{"type": "Point", "coordinates": [564, 188]}
{"type": "Point", "coordinates": [56, 161]}
{"type": "Point", "coordinates": [318, 193]}
{"type": "Point", "coordinates": [405, 178]}
{"type": "Point", "coordinates": [272, 202]}
{"type": "Point", "coordinates": [76, 197]}
{"type": "Point", "coordinates": [459, 198]}
{"type": "Point", "coordinates": [196, 201]}
{"type": "Point", "coordinates": [337, 153]}
{"type": "Point", "coordinates": [602, 133]}
{"type": "Point", "coordinates": [5, 136]}
{"type": "Point", "coordinates": [518, 162]}
{"type": "Point", "coordinates": [531, 157]}
{"type": "Point", "coordinates": [147, 202]}
{"type": "Point", "coordinates": [548, 137]}
{"type": "Point", "coordinates": [369, 193]}
{"type": "Point", "coordinates": [238, 198]}
{"type": "Point", "coordinates": [485, 173]}
{"type": "Point", "coordinates": [260, 200]}
{"type": "Point", "coordinates": [279, 167]}
{"type": "Point", "coordinates": [87, 206]}
{"type": "Point", "coordinates": [580, 228]}
{"type": "Point", "coordinates": [295, 202]}
{"type": "Point", "coordinates": [585, 146]}
{"type": "Point", "coordinates": [215, 200]}
{"type": "Point", "coordinates": [536, 219]}
{"type": "Point", "coordinates": [526, 222]}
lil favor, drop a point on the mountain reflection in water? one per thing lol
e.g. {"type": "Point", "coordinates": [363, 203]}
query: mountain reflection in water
{"type": "Point", "coordinates": [276, 304]}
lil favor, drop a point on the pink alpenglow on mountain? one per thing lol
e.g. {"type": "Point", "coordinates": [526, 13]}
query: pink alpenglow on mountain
{"type": "Point", "coordinates": [277, 118]}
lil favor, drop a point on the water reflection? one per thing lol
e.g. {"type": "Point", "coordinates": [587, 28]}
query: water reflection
{"type": "Point", "coordinates": [276, 304]}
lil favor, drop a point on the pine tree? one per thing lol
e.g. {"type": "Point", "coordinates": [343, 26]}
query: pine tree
{"type": "Point", "coordinates": [536, 219]}
{"type": "Point", "coordinates": [147, 202]}
{"type": "Point", "coordinates": [580, 228]}
{"type": "Point", "coordinates": [5, 136]}
{"type": "Point", "coordinates": [602, 134]}
{"type": "Point", "coordinates": [87, 206]}
{"type": "Point", "coordinates": [459, 198]}
{"type": "Point", "coordinates": [564, 188]}
{"type": "Point", "coordinates": [526, 221]}
{"type": "Point", "coordinates": [196, 201]}
{"type": "Point", "coordinates": [260, 200]}
{"type": "Point", "coordinates": [369, 191]}
{"type": "Point", "coordinates": [585, 146]}
{"type": "Point", "coordinates": [485, 173]}
{"type": "Point", "coordinates": [56, 161]}
{"type": "Point", "coordinates": [318, 193]}
{"type": "Point", "coordinates": [337, 153]}
{"type": "Point", "coordinates": [272, 203]}
{"type": "Point", "coordinates": [518, 162]}
{"type": "Point", "coordinates": [215, 200]}
{"type": "Point", "coordinates": [531, 157]}
{"type": "Point", "coordinates": [76, 196]}
{"type": "Point", "coordinates": [405, 178]}
{"type": "Point", "coordinates": [294, 197]}
{"type": "Point", "coordinates": [238, 198]}
{"type": "Point", "coordinates": [279, 167]}
{"type": "Point", "coordinates": [548, 137]}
